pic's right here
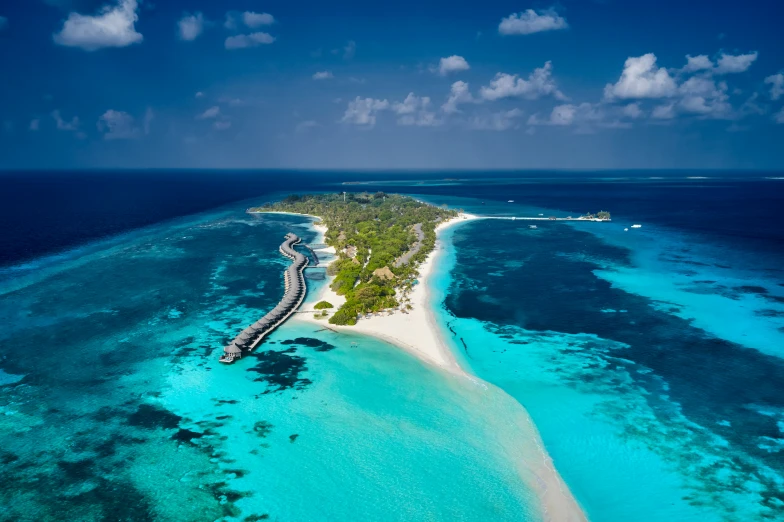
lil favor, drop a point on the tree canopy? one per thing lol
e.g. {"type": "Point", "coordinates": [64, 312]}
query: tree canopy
{"type": "Point", "coordinates": [369, 232]}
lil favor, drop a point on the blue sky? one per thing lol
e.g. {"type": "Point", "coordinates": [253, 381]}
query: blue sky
{"type": "Point", "coordinates": [310, 84]}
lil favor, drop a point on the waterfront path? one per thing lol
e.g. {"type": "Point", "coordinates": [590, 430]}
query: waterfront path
{"type": "Point", "coordinates": [293, 295]}
{"type": "Point", "coordinates": [405, 258]}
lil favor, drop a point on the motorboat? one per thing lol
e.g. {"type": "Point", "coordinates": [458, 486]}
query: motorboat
{"type": "Point", "coordinates": [532, 226]}
{"type": "Point", "coordinates": [636, 226]}
{"type": "Point", "coordinates": [510, 201]}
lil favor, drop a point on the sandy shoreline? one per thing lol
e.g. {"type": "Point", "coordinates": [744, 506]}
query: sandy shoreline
{"type": "Point", "coordinates": [418, 333]}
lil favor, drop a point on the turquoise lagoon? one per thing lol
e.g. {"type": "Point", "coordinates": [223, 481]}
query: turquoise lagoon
{"type": "Point", "coordinates": [113, 405]}
{"type": "Point", "coordinates": [650, 363]}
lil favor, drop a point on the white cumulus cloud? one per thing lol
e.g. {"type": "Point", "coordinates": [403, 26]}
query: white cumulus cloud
{"type": "Point", "coordinates": [243, 41]}
{"type": "Point", "coordinates": [530, 21]}
{"type": "Point", "coordinates": [118, 125]}
{"type": "Point", "coordinates": [664, 112]}
{"type": "Point", "coordinates": [539, 83]}
{"type": "Point", "coordinates": [191, 26]}
{"type": "Point", "coordinates": [363, 111]}
{"type": "Point", "coordinates": [642, 79]}
{"type": "Point", "coordinates": [729, 64]}
{"type": "Point", "coordinates": [323, 75]}
{"type": "Point", "coordinates": [697, 63]}
{"type": "Point", "coordinates": [415, 110]}
{"type": "Point", "coordinates": [256, 20]}
{"type": "Point", "coordinates": [458, 95]}
{"type": "Point", "coordinates": [63, 124]}
{"type": "Point", "coordinates": [209, 114]}
{"type": "Point", "coordinates": [499, 121]}
{"type": "Point", "coordinates": [452, 64]}
{"type": "Point", "coordinates": [776, 82]}
{"type": "Point", "coordinates": [113, 26]}
{"type": "Point", "coordinates": [632, 111]}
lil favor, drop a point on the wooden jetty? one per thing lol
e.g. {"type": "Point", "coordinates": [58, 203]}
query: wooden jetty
{"type": "Point", "coordinates": [293, 295]}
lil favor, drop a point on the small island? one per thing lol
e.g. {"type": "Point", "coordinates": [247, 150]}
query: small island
{"type": "Point", "coordinates": [379, 240]}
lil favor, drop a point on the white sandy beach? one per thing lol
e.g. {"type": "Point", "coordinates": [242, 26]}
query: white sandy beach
{"type": "Point", "coordinates": [418, 333]}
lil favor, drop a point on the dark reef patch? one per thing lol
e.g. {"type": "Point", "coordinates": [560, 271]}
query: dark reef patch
{"type": "Point", "coordinates": [186, 436]}
{"type": "Point", "coordinates": [151, 417]}
{"type": "Point", "coordinates": [293, 437]}
{"type": "Point", "coordinates": [281, 370]}
{"type": "Point", "coordinates": [318, 344]}
{"type": "Point", "coordinates": [262, 429]}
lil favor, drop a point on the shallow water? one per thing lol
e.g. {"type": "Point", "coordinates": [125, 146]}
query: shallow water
{"type": "Point", "coordinates": [650, 364]}
{"type": "Point", "coordinates": [114, 406]}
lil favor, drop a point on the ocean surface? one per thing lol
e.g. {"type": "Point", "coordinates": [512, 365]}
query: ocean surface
{"type": "Point", "coordinates": [650, 359]}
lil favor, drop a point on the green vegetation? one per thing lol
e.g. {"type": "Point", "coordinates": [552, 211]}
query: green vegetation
{"type": "Point", "coordinates": [369, 232]}
{"type": "Point", "coordinates": [321, 305]}
{"type": "Point", "coordinates": [604, 215]}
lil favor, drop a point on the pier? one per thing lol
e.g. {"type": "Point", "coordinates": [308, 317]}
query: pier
{"type": "Point", "coordinates": [293, 295]}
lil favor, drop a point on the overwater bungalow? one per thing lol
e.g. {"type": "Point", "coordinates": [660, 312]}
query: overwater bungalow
{"type": "Point", "coordinates": [230, 353]}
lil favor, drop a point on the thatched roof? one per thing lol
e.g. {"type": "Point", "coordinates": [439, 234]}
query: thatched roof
{"type": "Point", "coordinates": [232, 348]}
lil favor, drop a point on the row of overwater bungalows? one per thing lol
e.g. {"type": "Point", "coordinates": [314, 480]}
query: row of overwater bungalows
{"type": "Point", "coordinates": [294, 293]}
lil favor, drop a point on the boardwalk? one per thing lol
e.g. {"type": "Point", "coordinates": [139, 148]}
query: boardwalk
{"type": "Point", "coordinates": [294, 293]}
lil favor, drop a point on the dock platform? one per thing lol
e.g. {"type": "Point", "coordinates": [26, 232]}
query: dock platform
{"type": "Point", "coordinates": [293, 295]}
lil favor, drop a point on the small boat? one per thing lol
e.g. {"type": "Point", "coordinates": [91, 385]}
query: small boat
{"type": "Point", "coordinates": [510, 201]}
{"type": "Point", "coordinates": [625, 229]}
{"type": "Point", "coordinates": [531, 226]}
{"type": "Point", "coordinates": [541, 214]}
{"type": "Point", "coordinates": [636, 226]}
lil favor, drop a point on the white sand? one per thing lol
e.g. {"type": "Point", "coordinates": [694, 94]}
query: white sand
{"type": "Point", "coordinates": [418, 333]}
{"type": "Point", "coordinates": [415, 331]}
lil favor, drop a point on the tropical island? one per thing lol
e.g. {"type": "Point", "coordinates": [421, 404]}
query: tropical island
{"type": "Point", "coordinates": [379, 240]}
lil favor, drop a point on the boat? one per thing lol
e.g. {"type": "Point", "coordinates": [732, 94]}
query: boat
{"type": "Point", "coordinates": [625, 229]}
{"type": "Point", "coordinates": [531, 226]}
{"type": "Point", "coordinates": [510, 201]}
{"type": "Point", "coordinates": [636, 226]}
{"type": "Point", "coordinates": [541, 214]}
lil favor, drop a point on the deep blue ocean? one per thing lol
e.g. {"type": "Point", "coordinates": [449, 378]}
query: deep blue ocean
{"type": "Point", "coordinates": [651, 360]}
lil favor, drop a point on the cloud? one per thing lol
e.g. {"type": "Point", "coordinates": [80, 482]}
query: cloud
{"type": "Point", "coordinates": [363, 111]}
{"type": "Point", "coordinates": [697, 63]}
{"type": "Point", "coordinates": [729, 64]}
{"type": "Point", "coordinates": [776, 82]}
{"type": "Point", "coordinates": [35, 124]}
{"type": "Point", "coordinates": [664, 112]}
{"type": "Point", "coordinates": [349, 50]}
{"type": "Point", "coordinates": [304, 126]}
{"type": "Point", "coordinates": [530, 22]}
{"type": "Point", "coordinates": [415, 110]}
{"type": "Point", "coordinates": [221, 125]}
{"type": "Point", "coordinates": [191, 26]}
{"type": "Point", "coordinates": [243, 41]}
{"type": "Point", "coordinates": [323, 75]}
{"type": "Point", "coordinates": [199, 95]}
{"type": "Point", "coordinates": [703, 96]}
{"type": "Point", "coordinates": [63, 124]}
{"type": "Point", "coordinates": [499, 121]}
{"type": "Point", "coordinates": [118, 125]}
{"type": "Point", "coordinates": [632, 111]}
{"type": "Point", "coordinates": [209, 114]}
{"type": "Point", "coordinates": [641, 79]}
{"type": "Point", "coordinates": [114, 26]}
{"type": "Point", "coordinates": [452, 64]}
{"type": "Point", "coordinates": [779, 116]}
{"type": "Point", "coordinates": [256, 20]}
{"type": "Point", "coordinates": [570, 114]}
{"type": "Point", "coordinates": [458, 94]}
{"type": "Point", "coordinates": [538, 84]}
